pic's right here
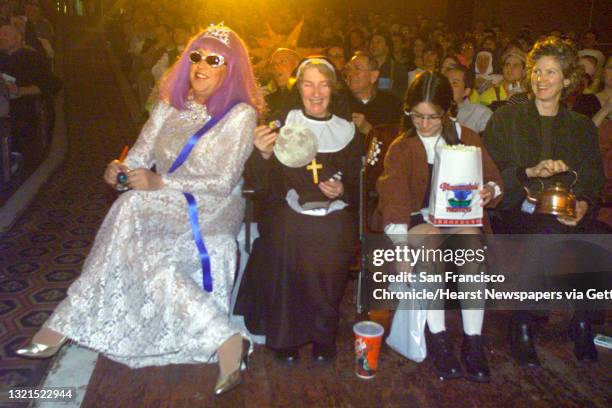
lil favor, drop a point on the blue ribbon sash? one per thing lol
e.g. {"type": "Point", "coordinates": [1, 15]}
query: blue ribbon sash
{"type": "Point", "coordinates": [191, 201]}
{"type": "Point", "coordinates": [199, 241]}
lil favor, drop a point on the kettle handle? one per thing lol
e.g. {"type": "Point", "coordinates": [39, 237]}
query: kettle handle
{"type": "Point", "coordinates": [541, 187]}
{"type": "Point", "coordinates": [541, 184]}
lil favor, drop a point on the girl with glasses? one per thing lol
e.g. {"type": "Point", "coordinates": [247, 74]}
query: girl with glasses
{"type": "Point", "coordinates": [404, 190]}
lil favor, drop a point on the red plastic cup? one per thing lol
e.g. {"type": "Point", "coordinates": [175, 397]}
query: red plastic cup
{"type": "Point", "coordinates": [368, 337]}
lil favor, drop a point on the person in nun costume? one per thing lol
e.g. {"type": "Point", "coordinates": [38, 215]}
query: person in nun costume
{"type": "Point", "coordinates": [296, 274]}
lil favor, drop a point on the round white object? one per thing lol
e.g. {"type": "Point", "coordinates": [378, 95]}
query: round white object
{"type": "Point", "coordinates": [295, 146]}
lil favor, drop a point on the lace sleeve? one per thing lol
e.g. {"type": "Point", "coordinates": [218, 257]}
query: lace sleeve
{"type": "Point", "coordinates": [141, 154]}
{"type": "Point", "coordinates": [229, 156]}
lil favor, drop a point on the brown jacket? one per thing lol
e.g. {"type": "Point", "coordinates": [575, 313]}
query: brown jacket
{"type": "Point", "coordinates": [403, 184]}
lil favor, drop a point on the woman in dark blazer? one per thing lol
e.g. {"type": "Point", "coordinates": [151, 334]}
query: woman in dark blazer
{"type": "Point", "coordinates": [540, 141]}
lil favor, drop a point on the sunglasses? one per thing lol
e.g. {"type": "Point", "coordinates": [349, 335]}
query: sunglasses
{"type": "Point", "coordinates": [214, 60]}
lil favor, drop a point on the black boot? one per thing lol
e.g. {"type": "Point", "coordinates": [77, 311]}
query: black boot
{"type": "Point", "coordinates": [474, 359]}
{"type": "Point", "coordinates": [581, 333]}
{"type": "Point", "coordinates": [323, 352]}
{"type": "Point", "coordinates": [447, 365]}
{"type": "Point", "coordinates": [287, 356]}
{"type": "Point", "coordinates": [521, 343]}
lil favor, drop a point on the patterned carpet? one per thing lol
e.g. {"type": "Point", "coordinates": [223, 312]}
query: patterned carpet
{"type": "Point", "coordinates": [43, 253]}
{"type": "Point", "coordinates": [561, 382]}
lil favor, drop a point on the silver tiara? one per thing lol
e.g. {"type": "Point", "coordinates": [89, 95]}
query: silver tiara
{"type": "Point", "coordinates": [219, 32]}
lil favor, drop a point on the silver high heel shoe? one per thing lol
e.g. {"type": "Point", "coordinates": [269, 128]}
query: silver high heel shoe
{"type": "Point", "coordinates": [36, 350]}
{"type": "Point", "coordinates": [234, 379]}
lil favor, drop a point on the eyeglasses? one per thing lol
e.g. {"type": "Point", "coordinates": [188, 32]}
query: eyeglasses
{"type": "Point", "coordinates": [214, 60]}
{"type": "Point", "coordinates": [415, 116]}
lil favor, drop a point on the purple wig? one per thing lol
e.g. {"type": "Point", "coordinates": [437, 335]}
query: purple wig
{"type": "Point", "coordinates": [239, 84]}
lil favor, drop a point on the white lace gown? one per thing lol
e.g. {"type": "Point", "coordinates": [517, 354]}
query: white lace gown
{"type": "Point", "coordinates": [139, 299]}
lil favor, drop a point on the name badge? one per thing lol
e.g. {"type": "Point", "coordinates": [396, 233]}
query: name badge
{"type": "Point", "coordinates": [528, 207]}
{"type": "Point", "coordinates": [385, 83]}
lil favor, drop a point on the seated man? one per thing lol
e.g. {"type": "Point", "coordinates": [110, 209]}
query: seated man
{"type": "Point", "coordinates": [369, 105]}
{"type": "Point", "coordinates": [26, 75]}
{"type": "Point", "coordinates": [472, 115]}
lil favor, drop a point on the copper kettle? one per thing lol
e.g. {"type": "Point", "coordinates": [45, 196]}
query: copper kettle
{"type": "Point", "coordinates": [556, 199]}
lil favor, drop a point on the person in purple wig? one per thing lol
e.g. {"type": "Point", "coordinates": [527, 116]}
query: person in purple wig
{"type": "Point", "coordinates": [155, 288]}
{"type": "Point", "coordinates": [238, 85]}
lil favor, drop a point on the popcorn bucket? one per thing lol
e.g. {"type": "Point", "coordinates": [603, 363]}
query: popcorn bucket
{"type": "Point", "coordinates": [368, 337]}
{"type": "Point", "coordinates": [455, 188]}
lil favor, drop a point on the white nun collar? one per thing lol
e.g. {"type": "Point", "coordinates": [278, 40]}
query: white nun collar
{"type": "Point", "coordinates": [333, 134]}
